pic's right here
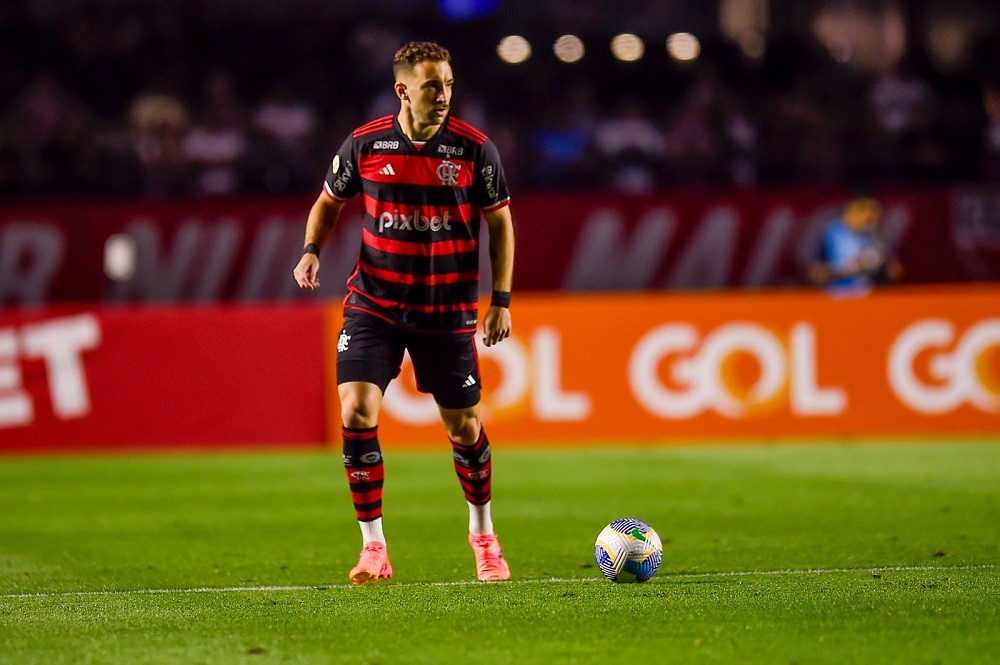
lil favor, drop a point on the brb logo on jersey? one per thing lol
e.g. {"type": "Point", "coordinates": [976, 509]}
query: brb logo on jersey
{"type": "Point", "coordinates": [447, 172]}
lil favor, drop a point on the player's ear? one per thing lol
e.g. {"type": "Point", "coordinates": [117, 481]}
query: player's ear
{"type": "Point", "coordinates": [401, 91]}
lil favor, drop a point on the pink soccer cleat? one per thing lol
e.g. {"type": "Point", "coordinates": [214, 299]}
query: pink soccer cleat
{"type": "Point", "coordinates": [373, 565]}
{"type": "Point", "coordinates": [490, 564]}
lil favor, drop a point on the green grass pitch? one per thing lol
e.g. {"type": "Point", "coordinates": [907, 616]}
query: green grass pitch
{"type": "Point", "coordinates": [811, 553]}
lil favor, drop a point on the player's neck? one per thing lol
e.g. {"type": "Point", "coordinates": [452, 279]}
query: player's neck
{"type": "Point", "coordinates": [414, 130]}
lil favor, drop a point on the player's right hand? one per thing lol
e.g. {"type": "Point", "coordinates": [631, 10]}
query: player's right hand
{"type": "Point", "coordinates": [496, 325]}
{"type": "Point", "coordinates": [307, 271]}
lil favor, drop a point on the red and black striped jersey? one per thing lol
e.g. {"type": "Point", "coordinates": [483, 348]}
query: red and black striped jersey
{"type": "Point", "coordinates": [419, 260]}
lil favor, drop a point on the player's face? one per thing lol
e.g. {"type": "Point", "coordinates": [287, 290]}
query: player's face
{"type": "Point", "coordinates": [863, 214]}
{"type": "Point", "coordinates": [428, 89]}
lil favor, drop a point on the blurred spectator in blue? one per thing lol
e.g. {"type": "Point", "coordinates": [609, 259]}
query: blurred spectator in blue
{"type": "Point", "coordinates": [853, 256]}
{"type": "Point", "coordinates": [217, 143]}
{"type": "Point", "coordinates": [630, 147]}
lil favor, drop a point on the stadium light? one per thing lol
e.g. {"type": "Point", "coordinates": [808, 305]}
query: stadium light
{"type": "Point", "coordinates": [514, 49]}
{"type": "Point", "coordinates": [683, 46]}
{"type": "Point", "coordinates": [628, 47]}
{"type": "Point", "coordinates": [568, 48]}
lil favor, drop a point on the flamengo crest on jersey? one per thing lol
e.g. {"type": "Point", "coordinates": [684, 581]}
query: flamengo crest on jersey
{"type": "Point", "coordinates": [419, 260]}
{"type": "Point", "coordinates": [447, 172]}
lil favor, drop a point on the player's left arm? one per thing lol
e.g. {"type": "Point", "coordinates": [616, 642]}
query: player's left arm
{"type": "Point", "coordinates": [497, 323]}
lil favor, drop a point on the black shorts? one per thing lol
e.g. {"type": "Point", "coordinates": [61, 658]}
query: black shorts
{"type": "Point", "coordinates": [446, 365]}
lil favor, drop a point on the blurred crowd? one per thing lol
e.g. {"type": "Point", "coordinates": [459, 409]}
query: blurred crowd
{"type": "Point", "coordinates": [139, 104]}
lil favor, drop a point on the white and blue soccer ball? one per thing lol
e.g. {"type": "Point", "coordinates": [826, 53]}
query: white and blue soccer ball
{"type": "Point", "coordinates": [628, 550]}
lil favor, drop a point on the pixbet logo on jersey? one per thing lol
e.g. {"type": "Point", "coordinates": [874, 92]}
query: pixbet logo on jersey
{"type": "Point", "coordinates": [930, 379]}
{"type": "Point", "coordinates": [413, 222]}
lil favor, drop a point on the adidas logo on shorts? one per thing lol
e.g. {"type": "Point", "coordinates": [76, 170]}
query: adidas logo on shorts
{"type": "Point", "coordinates": [469, 382]}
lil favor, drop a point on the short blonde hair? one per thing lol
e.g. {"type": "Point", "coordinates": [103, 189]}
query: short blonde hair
{"type": "Point", "coordinates": [412, 53]}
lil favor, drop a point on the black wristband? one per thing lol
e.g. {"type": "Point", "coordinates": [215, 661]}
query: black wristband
{"type": "Point", "coordinates": [311, 248]}
{"type": "Point", "coordinates": [500, 299]}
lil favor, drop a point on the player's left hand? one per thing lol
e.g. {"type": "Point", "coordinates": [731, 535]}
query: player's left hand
{"type": "Point", "coordinates": [496, 325]}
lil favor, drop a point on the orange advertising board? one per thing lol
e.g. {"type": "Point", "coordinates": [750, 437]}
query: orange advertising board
{"type": "Point", "coordinates": [662, 367]}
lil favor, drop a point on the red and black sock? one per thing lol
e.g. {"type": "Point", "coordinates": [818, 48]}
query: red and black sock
{"type": "Point", "coordinates": [365, 471]}
{"type": "Point", "coordinates": [474, 466]}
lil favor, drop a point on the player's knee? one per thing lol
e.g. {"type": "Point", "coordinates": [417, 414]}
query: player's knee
{"type": "Point", "coordinates": [464, 430]}
{"type": "Point", "coordinates": [357, 412]}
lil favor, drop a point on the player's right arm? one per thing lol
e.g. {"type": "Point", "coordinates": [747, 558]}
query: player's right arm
{"type": "Point", "coordinates": [341, 183]}
{"type": "Point", "coordinates": [320, 223]}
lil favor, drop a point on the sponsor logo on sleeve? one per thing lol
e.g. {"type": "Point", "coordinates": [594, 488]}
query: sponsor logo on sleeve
{"type": "Point", "coordinates": [489, 179]}
{"type": "Point", "coordinates": [340, 182]}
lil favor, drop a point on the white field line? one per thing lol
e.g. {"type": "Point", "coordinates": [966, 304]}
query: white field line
{"type": "Point", "coordinates": [565, 580]}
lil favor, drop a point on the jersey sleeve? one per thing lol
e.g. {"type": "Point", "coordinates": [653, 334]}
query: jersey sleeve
{"type": "Point", "coordinates": [342, 179]}
{"type": "Point", "coordinates": [490, 186]}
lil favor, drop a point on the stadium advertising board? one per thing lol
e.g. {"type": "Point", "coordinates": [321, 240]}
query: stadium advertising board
{"type": "Point", "coordinates": [244, 251]}
{"type": "Point", "coordinates": [578, 369]}
{"type": "Point", "coordinates": [107, 378]}
{"type": "Point", "coordinates": [747, 366]}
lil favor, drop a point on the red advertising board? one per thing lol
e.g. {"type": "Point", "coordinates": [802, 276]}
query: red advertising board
{"type": "Point", "coordinates": [163, 377]}
{"type": "Point", "coordinates": [244, 251]}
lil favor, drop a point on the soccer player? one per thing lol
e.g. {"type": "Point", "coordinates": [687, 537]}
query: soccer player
{"type": "Point", "coordinates": [425, 178]}
{"type": "Point", "coordinates": [852, 256]}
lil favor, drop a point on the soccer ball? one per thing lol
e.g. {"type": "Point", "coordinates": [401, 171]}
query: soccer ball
{"type": "Point", "coordinates": [628, 550]}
